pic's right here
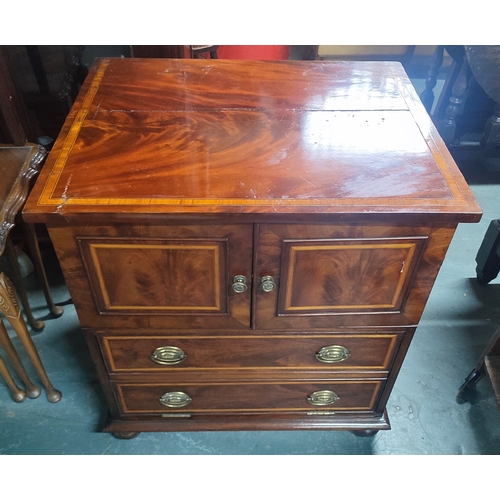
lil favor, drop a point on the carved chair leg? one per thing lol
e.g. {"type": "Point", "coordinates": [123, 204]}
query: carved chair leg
{"type": "Point", "coordinates": [30, 233]}
{"type": "Point", "coordinates": [11, 256]}
{"type": "Point", "coordinates": [10, 308]}
{"type": "Point", "coordinates": [32, 390]}
{"type": "Point", "coordinates": [18, 395]}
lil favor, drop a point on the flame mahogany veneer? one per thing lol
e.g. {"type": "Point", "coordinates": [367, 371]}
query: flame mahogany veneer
{"type": "Point", "coordinates": [249, 244]}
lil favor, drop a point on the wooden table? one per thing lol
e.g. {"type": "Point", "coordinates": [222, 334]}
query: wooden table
{"type": "Point", "coordinates": [18, 164]}
{"type": "Point", "coordinates": [249, 245]}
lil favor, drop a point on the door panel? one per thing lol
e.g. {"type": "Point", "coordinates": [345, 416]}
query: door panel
{"type": "Point", "coordinates": [345, 275]}
{"type": "Point", "coordinates": [158, 276]}
{"type": "Point", "coordinates": [351, 275]}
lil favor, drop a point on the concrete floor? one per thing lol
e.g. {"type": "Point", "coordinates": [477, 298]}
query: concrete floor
{"type": "Point", "coordinates": [459, 319]}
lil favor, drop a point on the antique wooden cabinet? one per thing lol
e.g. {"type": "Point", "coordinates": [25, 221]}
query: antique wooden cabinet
{"type": "Point", "coordinates": [249, 245]}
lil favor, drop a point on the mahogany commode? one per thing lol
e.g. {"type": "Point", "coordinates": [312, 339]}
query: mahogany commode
{"type": "Point", "coordinates": [249, 244]}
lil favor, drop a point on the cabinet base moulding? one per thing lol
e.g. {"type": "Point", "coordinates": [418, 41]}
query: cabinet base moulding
{"type": "Point", "coordinates": [303, 422]}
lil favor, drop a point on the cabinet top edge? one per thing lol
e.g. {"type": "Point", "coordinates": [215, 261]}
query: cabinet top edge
{"type": "Point", "coordinates": [179, 136]}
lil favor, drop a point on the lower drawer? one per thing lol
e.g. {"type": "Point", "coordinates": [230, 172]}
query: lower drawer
{"type": "Point", "coordinates": [210, 397]}
{"type": "Point", "coordinates": [335, 352]}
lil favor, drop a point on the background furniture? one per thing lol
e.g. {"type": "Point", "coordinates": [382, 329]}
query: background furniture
{"type": "Point", "coordinates": [401, 53]}
{"type": "Point", "coordinates": [488, 362]}
{"type": "Point", "coordinates": [46, 79]}
{"type": "Point", "coordinates": [254, 248]}
{"type": "Point", "coordinates": [468, 104]}
{"type": "Point", "coordinates": [488, 266]}
{"type": "Point", "coordinates": [18, 164]}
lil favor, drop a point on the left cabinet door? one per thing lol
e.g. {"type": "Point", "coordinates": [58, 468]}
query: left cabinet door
{"type": "Point", "coordinates": [158, 276]}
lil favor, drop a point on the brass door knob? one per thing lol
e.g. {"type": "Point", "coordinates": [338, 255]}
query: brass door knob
{"type": "Point", "coordinates": [267, 284]}
{"type": "Point", "coordinates": [168, 355]}
{"type": "Point", "coordinates": [175, 399]}
{"type": "Point", "coordinates": [332, 354]}
{"type": "Point", "coordinates": [322, 398]}
{"type": "Point", "coordinates": [239, 284]}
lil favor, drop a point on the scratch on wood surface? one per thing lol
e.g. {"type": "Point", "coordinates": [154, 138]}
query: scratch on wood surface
{"type": "Point", "coordinates": [305, 180]}
{"type": "Point", "coordinates": [64, 195]}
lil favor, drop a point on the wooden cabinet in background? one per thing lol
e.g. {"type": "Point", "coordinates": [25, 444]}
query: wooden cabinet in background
{"type": "Point", "coordinates": [249, 244]}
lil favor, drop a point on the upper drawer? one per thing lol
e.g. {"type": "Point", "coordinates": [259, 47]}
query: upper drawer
{"type": "Point", "coordinates": [370, 352]}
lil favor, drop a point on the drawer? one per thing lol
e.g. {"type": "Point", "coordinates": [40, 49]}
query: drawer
{"type": "Point", "coordinates": [332, 352]}
{"type": "Point", "coordinates": [210, 397]}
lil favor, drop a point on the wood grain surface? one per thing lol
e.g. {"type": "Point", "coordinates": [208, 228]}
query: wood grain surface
{"type": "Point", "coordinates": [191, 136]}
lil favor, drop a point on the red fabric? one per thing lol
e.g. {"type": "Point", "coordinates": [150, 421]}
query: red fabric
{"type": "Point", "coordinates": [254, 52]}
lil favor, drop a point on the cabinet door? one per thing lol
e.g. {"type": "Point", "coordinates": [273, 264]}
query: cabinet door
{"type": "Point", "coordinates": [159, 277]}
{"type": "Point", "coordinates": [344, 275]}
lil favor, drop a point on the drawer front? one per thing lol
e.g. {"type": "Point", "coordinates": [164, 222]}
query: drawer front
{"type": "Point", "coordinates": [335, 352]}
{"type": "Point", "coordinates": [248, 397]}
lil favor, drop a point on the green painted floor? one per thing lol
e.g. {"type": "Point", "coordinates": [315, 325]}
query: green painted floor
{"type": "Point", "coordinates": [426, 420]}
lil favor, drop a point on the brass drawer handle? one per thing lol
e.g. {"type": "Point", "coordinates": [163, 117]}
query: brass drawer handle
{"type": "Point", "coordinates": [175, 399]}
{"type": "Point", "coordinates": [168, 355]}
{"type": "Point", "coordinates": [332, 354]}
{"type": "Point", "coordinates": [322, 398]}
{"type": "Point", "coordinates": [239, 283]}
{"type": "Point", "coordinates": [267, 284]}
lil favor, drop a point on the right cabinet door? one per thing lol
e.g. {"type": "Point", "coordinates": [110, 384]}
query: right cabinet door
{"type": "Point", "coordinates": [345, 275]}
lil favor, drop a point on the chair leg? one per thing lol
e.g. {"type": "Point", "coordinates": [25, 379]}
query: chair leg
{"type": "Point", "coordinates": [10, 308]}
{"type": "Point", "coordinates": [18, 395]}
{"type": "Point", "coordinates": [32, 391]}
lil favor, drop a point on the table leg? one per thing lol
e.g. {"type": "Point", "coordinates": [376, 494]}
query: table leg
{"type": "Point", "coordinates": [32, 390]}
{"type": "Point", "coordinates": [11, 256]}
{"type": "Point", "coordinates": [10, 307]}
{"type": "Point", "coordinates": [18, 395]}
{"type": "Point", "coordinates": [30, 233]}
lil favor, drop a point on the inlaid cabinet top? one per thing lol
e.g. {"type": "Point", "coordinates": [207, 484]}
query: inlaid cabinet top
{"type": "Point", "coordinates": [181, 136]}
